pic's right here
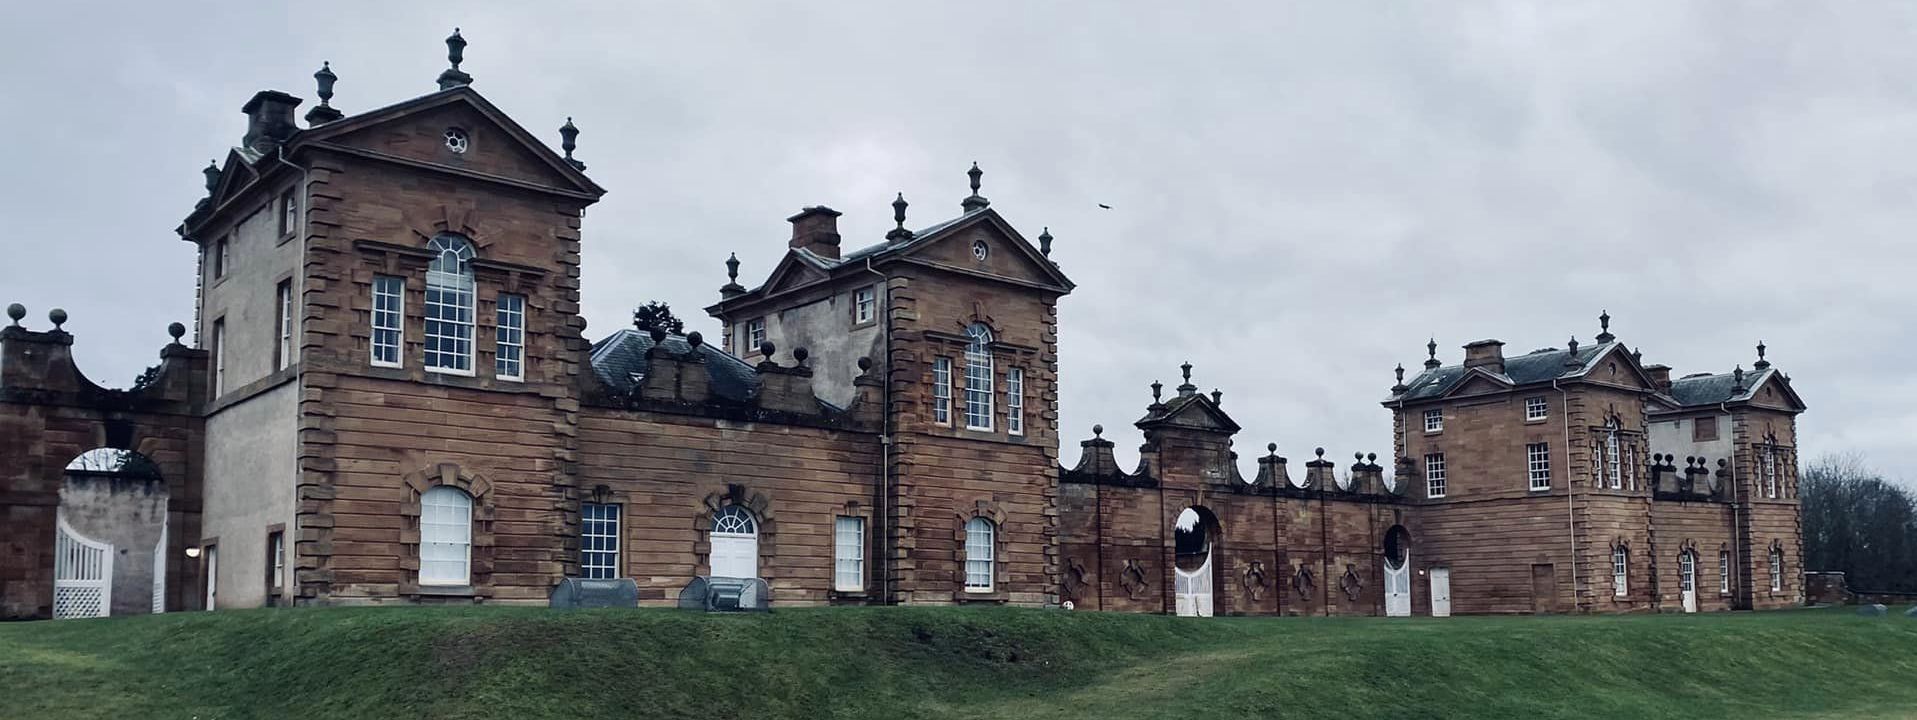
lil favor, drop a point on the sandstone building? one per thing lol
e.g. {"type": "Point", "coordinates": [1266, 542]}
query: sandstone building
{"type": "Point", "coordinates": [390, 398]}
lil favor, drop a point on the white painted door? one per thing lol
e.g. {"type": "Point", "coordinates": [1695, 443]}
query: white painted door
{"type": "Point", "coordinates": [1398, 589]}
{"type": "Point", "coordinates": [82, 574]}
{"type": "Point", "coordinates": [1687, 567]}
{"type": "Point", "coordinates": [211, 561]}
{"type": "Point", "coordinates": [159, 572]}
{"type": "Point", "coordinates": [1194, 590]}
{"type": "Point", "coordinates": [735, 555]}
{"type": "Point", "coordinates": [1440, 592]}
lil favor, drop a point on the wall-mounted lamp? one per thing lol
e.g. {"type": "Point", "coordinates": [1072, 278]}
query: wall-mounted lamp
{"type": "Point", "coordinates": [192, 552]}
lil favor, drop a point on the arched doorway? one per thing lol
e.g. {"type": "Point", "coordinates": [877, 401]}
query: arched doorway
{"type": "Point", "coordinates": [1687, 573]}
{"type": "Point", "coordinates": [110, 536]}
{"type": "Point", "coordinates": [1194, 535]}
{"type": "Point", "coordinates": [1397, 572]}
{"type": "Point", "coordinates": [735, 543]}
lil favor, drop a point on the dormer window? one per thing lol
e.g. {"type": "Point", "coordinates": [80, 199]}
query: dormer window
{"type": "Point", "coordinates": [456, 140]}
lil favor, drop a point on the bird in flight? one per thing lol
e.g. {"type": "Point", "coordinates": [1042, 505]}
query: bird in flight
{"type": "Point", "coordinates": [1103, 205]}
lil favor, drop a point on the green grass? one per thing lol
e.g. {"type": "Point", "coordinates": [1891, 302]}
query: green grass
{"type": "Point", "coordinates": [936, 662]}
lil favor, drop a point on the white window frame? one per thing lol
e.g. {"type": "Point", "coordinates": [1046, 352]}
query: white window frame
{"type": "Point", "coordinates": [210, 559]}
{"type": "Point", "coordinates": [1015, 400]}
{"type": "Point", "coordinates": [222, 257]}
{"type": "Point", "coordinates": [865, 304]}
{"type": "Point", "coordinates": [1620, 571]}
{"type": "Point", "coordinates": [445, 537]}
{"type": "Point", "coordinates": [452, 304]}
{"type": "Point", "coordinates": [1538, 464]}
{"type": "Point", "coordinates": [289, 213]}
{"type": "Point", "coordinates": [755, 335]}
{"type": "Point", "coordinates": [1434, 420]}
{"type": "Point", "coordinates": [942, 390]}
{"type": "Point", "coordinates": [979, 398]}
{"type": "Point", "coordinates": [1613, 461]}
{"type": "Point", "coordinates": [1723, 572]}
{"type": "Point", "coordinates": [599, 540]}
{"type": "Point", "coordinates": [388, 323]}
{"type": "Point", "coordinates": [219, 357]}
{"type": "Point", "coordinates": [1777, 570]}
{"type": "Point", "coordinates": [284, 295]}
{"type": "Point", "coordinates": [1687, 571]}
{"type": "Point", "coordinates": [981, 555]}
{"type": "Point", "coordinates": [1630, 466]}
{"type": "Point", "coordinates": [1535, 409]}
{"type": "Point", "coordinates": [848, 553]}
{"type": "Point", "coordinates": [276, 549]}
{"type": "Point", "coordinates": [509, 337]}
{"type": "Point", "coordinates": [1435, 485]}
{"type": "Point", "coordinates": [1770, 473]}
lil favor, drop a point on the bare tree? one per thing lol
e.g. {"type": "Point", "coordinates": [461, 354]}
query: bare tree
{"type": "Point", "coordinates": [1857, 523]}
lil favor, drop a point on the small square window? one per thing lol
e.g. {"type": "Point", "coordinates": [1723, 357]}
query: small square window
{"type": "Point", "coordinates": [219, 259]}
{"type": "Point", "coordinates": [1535, 409]}
{"type": "Point", "coordinates": [755, 335]}
{"type": "Point", "coordinates": [1704, 429]}
{"type": "Point", "coordinates": [1434, 420]}
{"type": "Point", "coordinates": [289, 213]}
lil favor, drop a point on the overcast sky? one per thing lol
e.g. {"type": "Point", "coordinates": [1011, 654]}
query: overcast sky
{"type": "Point", "coordinates": [1301, 193]}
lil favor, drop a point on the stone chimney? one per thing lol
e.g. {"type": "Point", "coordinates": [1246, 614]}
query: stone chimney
{"type": "Point", "coordinates": [1488, 354]}
{"type": "Point", "coordinates": [817, 229]}
{"type": "Point", "coordinates": [1660, 374]}
{"type": "Point", "coordinates": [269, 120]}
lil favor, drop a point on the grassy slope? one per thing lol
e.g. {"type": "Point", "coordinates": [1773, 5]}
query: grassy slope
{"type": "Point", "coordinates": [901, 663]}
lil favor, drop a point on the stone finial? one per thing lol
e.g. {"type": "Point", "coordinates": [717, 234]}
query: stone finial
{"type": "Point", "coordinates": [1359, 456]}
{"type": "Point", "coordinates": [899, 233]}
{"type": "Point", "coordinates": [1431, 354]}
{"type": "Point", "coordinates": [1158, 390]}
{"type": "Point", "coordinates": [177, 331]}
{"type": "Point", "coordinates": [455, 53]}
{"type": "Point", "coordinates": [799, 355]}
{"type": "Point", "coordinates": [695, 339]}
{"type": "Point", "coordinates": [975, 202]}
{"type": "Point", "coordinates": [212, 173]}
{"type": "Point", "coordinates": [732, 288]}
{"type": "Point", "coordinates": [1098, 431]}
{"type": "Point", "coordinates": [1637, 356]}
{"type": "Point", "coordinates": [865, 364]}
{"type": "Point", "coordinates": [766, 348]}
{"type": "Point", "coordinates": [16, 311]}
{"type": "Point", "coordinates": [324, 112]}
{"type": "Point", "coordinates": [1737, 381]}
{"type": "Point", "coordinates": [1604, 328]}
{"type": "Point", "coordinates": [658, 334]}
{"type": "Point", "coordinates": [1371, 458]}
{"type": "Point", "coordinates": [1571, 352]}
{"type": "Point", "coordinates": [1186, 389]}
{"type": "Point", "coordinates": [58, 317]}
{"type": "Point", "coordinates": [1045, 242]}
{"type": "Point", "coordinates": [1217, 397]}
{"type": "Point", "coordinates": [1399, 387]}
{"type": "Point", "coordinates": [1320, 452]}
{"type": "Point", "coordinates": [1271, 448]}
{"type": "Point", "coordinates": [569, 141]}
{"type": "Point", "coordinates": [1761, 362]}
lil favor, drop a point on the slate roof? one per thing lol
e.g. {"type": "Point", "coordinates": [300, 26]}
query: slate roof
{"type": "Point", "coordinates": [620, 360]}
{"type": "Point", "coordinates": [1714, 389]}
{"type": "Point", "coordinates": [1541, 366]}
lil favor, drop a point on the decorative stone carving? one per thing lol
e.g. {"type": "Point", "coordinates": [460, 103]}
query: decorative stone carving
{"type": "Point", "coordinates": [1255, 581]}
{"type": "Point", "coordinates": [1350, 582]}
{"type": "Point", "coordinates": [1302, 582]}
{"type": "Point", "coordinates": [1075, 583]}
{"type": "Point", "coordinates": [1133, 580]}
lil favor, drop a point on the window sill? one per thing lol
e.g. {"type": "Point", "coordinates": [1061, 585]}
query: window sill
{"type": "Point", "coordinates": [1535, 421]}
{"type": "Point", "coordinates": [446, 590]}
{"type": "Point", "coordinates": [285, 238]}
{"type": "Point", "coordinates": [970, 596]}
{"type": "Point", "coordinates": [1429, 433]}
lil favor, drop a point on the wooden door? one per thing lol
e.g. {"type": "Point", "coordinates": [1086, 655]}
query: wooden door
{"type": "Point", "coordinates": [1441, 592]}
{"type": "Point", "coordinates": [735, 555]}
{"type": "Point", "coordinates": [1544, 588]}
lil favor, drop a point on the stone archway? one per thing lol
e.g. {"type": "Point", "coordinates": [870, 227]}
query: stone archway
{"type": "Point", "coordinates": [109, 538]}
{"type": "Point", "coordinates": [1195, 539]}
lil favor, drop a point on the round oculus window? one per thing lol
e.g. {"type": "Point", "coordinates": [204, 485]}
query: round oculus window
{"type": "Point", "coordinates": [456, 140]}
{"type": "Point", "coordinates": [980, 250]}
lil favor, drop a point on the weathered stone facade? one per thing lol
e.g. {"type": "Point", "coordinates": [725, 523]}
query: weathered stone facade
{"type": "Point", "coordinates": [397, 403]}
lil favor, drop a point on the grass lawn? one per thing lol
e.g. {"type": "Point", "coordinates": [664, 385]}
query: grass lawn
{"type": "Point", "coordinates": [494, 662]}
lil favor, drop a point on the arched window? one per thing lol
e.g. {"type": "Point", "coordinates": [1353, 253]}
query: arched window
{"type": "Point", "coordinates": [735, 543]}
{"type": "Point", "coordinates": [449, 305]}
{"type": "Point", "coordinates": [445, 536]}
{"type": "Point", "coordinates": [1777, 570]}
{"type": "Point", "coordinates": [979, 554]}
{"type": "Point", "coordinates": [978, 378]}
{"type": "Point", "coordinates": [1620, 571]}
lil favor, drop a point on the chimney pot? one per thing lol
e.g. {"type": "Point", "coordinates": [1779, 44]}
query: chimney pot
{"type": "Point", "coordinates": [816, 229]}
{"type": "Point", "coordinates": [1660, 374]}
{"type": "Point", "coordinates": [1488, 354]}
{"type": "Point", "coordinates": [269, 120]}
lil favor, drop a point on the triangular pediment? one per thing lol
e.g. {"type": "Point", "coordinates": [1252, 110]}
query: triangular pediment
{"type": "Point", "coordinates": [1775, 392]}
{"type": "Point", "coordinates": [416, 131]}
{"type": "Point", "coordinates": [1618, 367]}
{"type": "Point", "coordinates": [1008, 254]}
{"type": "Point", "coordinates": [1195, 412]}
{"type": "Point", "coordinates": [1478, 382]}
{"type": "Point", "coordinates": [793, 271]}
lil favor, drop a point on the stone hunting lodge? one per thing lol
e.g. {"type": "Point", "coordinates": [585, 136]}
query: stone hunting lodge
{"type": "Point", "coordinates": [388, 397]}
